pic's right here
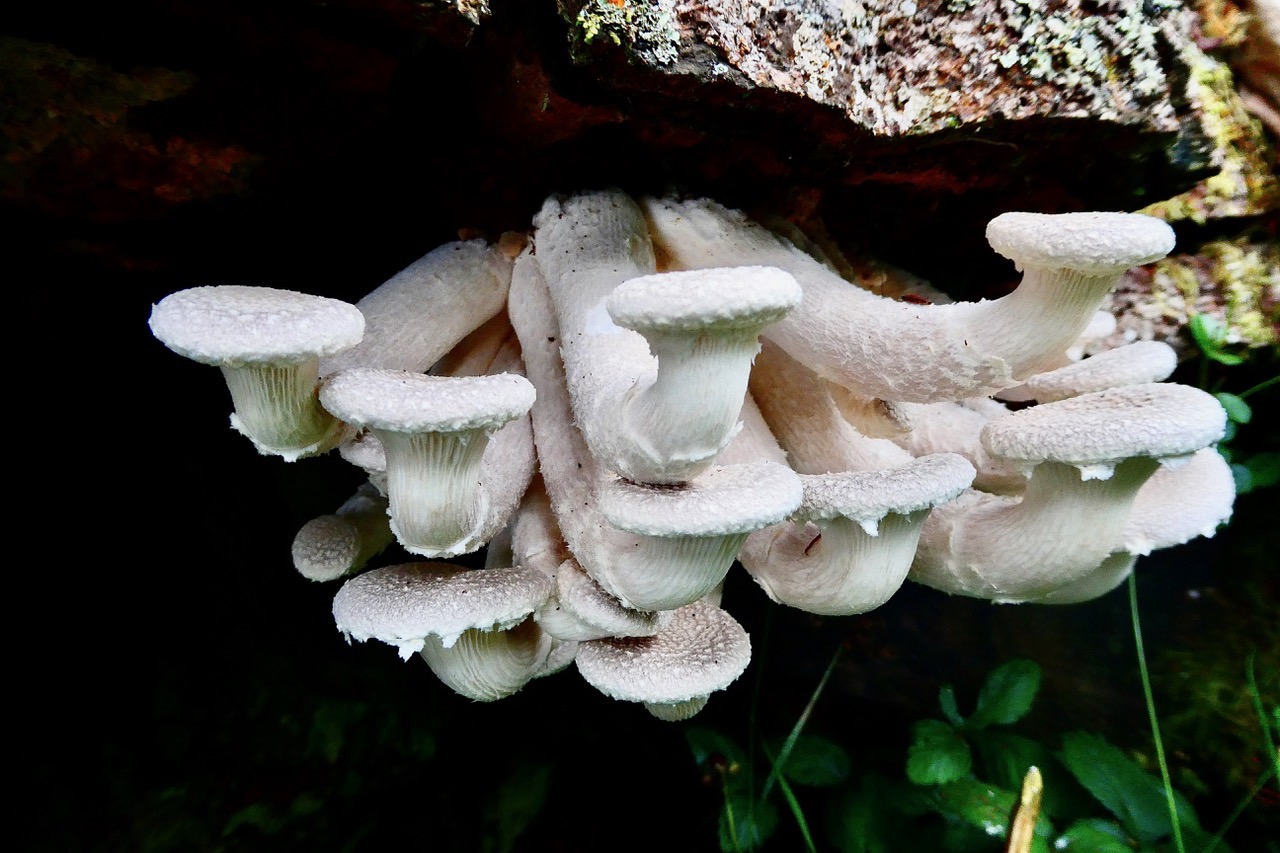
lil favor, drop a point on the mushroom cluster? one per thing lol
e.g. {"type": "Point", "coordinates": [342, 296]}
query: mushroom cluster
{"type": "Point", "coordinates": [673, 387]}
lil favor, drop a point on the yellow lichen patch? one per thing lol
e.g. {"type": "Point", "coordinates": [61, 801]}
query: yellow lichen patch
{"type": "Point", "coordinates": [1244, 184]}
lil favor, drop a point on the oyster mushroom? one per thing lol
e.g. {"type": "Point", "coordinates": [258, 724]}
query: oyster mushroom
{"type": "Point", "coordinates": [1089, 455]}
{"type": "Point", "coordinates": [638, 346]}
{"type": "Point", "coordinates": [925, 353]}
{"type": "Point", "coordinates": [330, 546]}
{"type": "Point", "coordinates": [434, 431]}
{"type": "Point", "coordinates": [675, 671]}
{"type": "Point", "coordinates": [269, 343]}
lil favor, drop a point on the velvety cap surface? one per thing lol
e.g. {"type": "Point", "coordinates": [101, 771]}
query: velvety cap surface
{"type": "Point", "coordinates": [1153, 420]}
{"type": "Point", "coordinates": [725, 500]}
{"type": "Point", "coordinates": [239, 324]}
{"type": "Point", "coordinates": [702, 650]}
{"type": "Point", "coordinates": [915, 485]}
{"type": "Point", "coordinates": [1132, 364]}
{"type": "Point", "coordinates": [399, 401]}
{"type": "Point", "coordinates": [403, 604]}
{"type": "Point", "coordinates": [1086, 242]}
{"type": "Point", "coordinates": [694, 299]}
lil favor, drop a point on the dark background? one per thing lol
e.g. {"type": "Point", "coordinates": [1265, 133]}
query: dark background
{"type": "Point", "coordinates": [179, 686]}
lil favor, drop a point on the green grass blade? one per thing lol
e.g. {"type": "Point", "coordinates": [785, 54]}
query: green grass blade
{"type": "Point", "coordinates": [1151, 713]}
{"type": "Point", "coordinates": [790, 742]}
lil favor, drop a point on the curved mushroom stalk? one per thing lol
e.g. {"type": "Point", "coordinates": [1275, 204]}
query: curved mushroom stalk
{"type": "Point", "coordinates": [639, 346]}
{"type": "Point", "coordinates": [423, 311]}
{"type": "Point", "coordinates": [675, 671]}
{"type": "Point", "coordinates": [686, 546]}
{"type": "Point", "coordinates": [926, 353]}
{"type": "Point", "coordinates": [489, 665]}
{"type": "Point", "coordinates": [1091, 455]}
{"type": "Point", "coordinates": [861, 534]}
{"type": "Point", "coordinates": [435, 431]}
{"type": "Point", "coordinates": [268, 343]}
{"type": "Point", "coordinates": [330, 546]}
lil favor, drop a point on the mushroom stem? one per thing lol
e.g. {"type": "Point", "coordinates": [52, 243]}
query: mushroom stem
{"type": "Point", "coordinates": [432, 483]}
{"type": "Point", "coordinates": [489, 665]}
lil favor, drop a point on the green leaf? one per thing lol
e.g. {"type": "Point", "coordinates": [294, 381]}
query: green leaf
{"type": "Point", "coordinates": [938, 754]}
{"type": "Point", "coordinates": [518, 800]}
{"type": "Point", "coordinates": [1236, 408]}
{"type": "Point", "coordinates": [950, 708]}
{"type": "Point", "coordinates": [813, 761]}
{"type": "Point", "coordinates": [1243, 478]}
{"type": "Point", "coordinates": [1210, 334]}
{"type": "Point", "coordinates": [1094, 836]}
{"type": "Point", "coordinates": [751, 828]}
{"type": "Point", "coordinates": [856, 820]}
{"type": "Point", "coordinates": [706, 743]}
{"type": "Point", "coordinates": [1130, 793]}
{"type": "Point", "coordinates": [1005, 757]}
{"type": "Point", "coordinates": [1007, 695]}
{"type": "Point", "coordinates": [1264, 468]}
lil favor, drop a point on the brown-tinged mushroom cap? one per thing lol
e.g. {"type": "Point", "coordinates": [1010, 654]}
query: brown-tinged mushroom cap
{"type": "Point", "coordinates": [1092, 243]}
{"type": "Point", "coordinates": [1095, 431]}
{"type": "Point", "coordinates": [701, 651]}
{"type": "Point", "coordinates": [403, 605]}
{"type": "Point", "coordinates": [268, 343]}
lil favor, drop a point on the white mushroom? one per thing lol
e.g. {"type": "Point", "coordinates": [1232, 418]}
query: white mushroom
{"type": "Point", "coordinates": [1090, 455]}
{"type": "Point", "coordinates": [925, 353]}
{"type": "Point", "coordinates": [675, 671]}
{"type": "Point", "coordinates": [654, 567]}
{"type": "Point", "coordinates": [403, 605]}
{"type": "Point", "coordinates": [423, 311]}
{"type": "Point", "coordinates": [330, 546]}
{"type": "Point", "coordinates": [434, 431]}
{"type": "Point", "coordinates": [269, 343]}
{"type": "Point", "coordinates": [640, 347]}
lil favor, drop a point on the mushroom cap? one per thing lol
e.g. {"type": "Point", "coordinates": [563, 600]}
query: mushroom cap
{"type": "Point", "coordinates": [325, 547]}
{"type": "Point", "coordinates": [1101, 428]}
{"type": "Point", "coordinates": [1131, 364]}
{"type": "Point", "coordinates": [1180, 503]}
{"type": "Point", "coordinates": [403, 604]}
{"type": "Point", "coordinates": [702, 650]}
{"type": "Point", "coordinates": [399, 401]}
{"type": "Point", "coordinates": [689, 300]}
{"type": "Point", "coordinates": [1095, 242]}
{"type": "Point", "coordinates": [588, 601]}
{"type": "Point", "coordinates": [866, 496]}
{"type": "Point", "coordinates": [723, 501]}
{"type": "Point", "coordinates": [239, 324]}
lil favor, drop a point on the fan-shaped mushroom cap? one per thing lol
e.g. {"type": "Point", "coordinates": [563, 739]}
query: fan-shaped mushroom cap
{"type": "Point", "coordinates": [866, 497]}
{"type": "Point", "coordinates": [1093, 243]}
{"type": "Point", "coordinates": [1095, 431]}
{"type": "Point", "coordinates": [723, 501]}
{"type": "Point", "coordinates": [403, 605]}
{"type": "Point", "coordinates": [1133, 364]}
{"type": "Point", "coordinates": [238, 324]}
{"type": "Point", "coordinates": [701, 651]}
{"type": "Point", "coordinates": [399, 401]}
{"type": "Point", "coordinates": [580, 609]}
{"type": "Point", "coordinates": [268, 343]}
